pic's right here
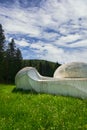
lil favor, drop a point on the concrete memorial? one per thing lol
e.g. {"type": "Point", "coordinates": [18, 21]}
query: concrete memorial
{"type": "Point", "coordinates": [68, 80]}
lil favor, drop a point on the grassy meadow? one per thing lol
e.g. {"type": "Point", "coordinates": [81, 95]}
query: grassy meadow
{"type": "Point", "coordinates": [31, 111]}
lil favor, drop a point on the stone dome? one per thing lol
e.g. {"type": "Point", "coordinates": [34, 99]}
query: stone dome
{"type": "Point", "coordinates": [71, 70]}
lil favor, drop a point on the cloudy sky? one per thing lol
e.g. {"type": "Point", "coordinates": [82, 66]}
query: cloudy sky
{"type": "Point", "coordinates": [54, 30]}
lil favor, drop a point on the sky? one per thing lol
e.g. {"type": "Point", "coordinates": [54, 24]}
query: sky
{"type": "Point", "coordinates": [53, 30]}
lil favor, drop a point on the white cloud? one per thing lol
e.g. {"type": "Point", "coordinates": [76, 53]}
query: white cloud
{"type": "Point", "coordinates": [69, 38]}
{"type": "Point", "coordinates": [49, 36]}
{"type": "Point", "coordinates": [18, 21]}
{"type": "Point", "coordinates": [82, 43]}
{"type": "Point", "coordinates": [68, 19]}
{"type": "Point", "coordinates": [22, 42]}
{"type": "Point", "coordinates": [37, 47]}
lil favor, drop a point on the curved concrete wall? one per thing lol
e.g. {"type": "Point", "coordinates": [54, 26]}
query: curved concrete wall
{"type": "Point", "coordinates": [71, 70]}
{"type": "Point", "coordinates": [29, 79]}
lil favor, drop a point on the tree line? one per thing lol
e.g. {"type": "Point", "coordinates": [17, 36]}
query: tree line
{"type": "Point", "coordinates": [11, 61]}
{"type": "Point", "coordinates": [45, 68]}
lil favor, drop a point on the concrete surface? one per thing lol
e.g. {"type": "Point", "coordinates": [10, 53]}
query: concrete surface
{"type": "Point", "coordinates": [29, 79]}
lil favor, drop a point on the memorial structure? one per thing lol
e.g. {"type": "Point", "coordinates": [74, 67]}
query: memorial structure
{"type": "Point", "coordinates": [68, 80]}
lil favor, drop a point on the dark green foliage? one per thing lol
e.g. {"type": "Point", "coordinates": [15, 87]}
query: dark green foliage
{"type": "Point", "coordinates": [45, 68]}
{"type": "Point", "coordinates": [2, 45]}
{"type": "Point", "coordinates": [41, 68]}
{"type": "Point", "coordinates": [10, 59]}
{"type": "Point", "coordinates": [2, 41]}
{"type": "Point", "coordinates": [13, 60]}
{"type": "Point", "coordinates": [57, 65]}
{"type": "Point", "coordinates": [18, 59]}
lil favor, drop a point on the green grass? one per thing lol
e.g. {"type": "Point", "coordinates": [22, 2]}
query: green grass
{"type": "Point", "coordinates": [30, 111]}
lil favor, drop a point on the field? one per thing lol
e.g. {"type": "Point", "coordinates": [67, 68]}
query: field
{"type": "Point", "coordinates": [31, 111]}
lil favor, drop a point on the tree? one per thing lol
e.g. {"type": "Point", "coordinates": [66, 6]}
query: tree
{"type": "Point", "coordinates": [47, 69]}
{"type": "Point", "coordinates": [57, 65]}
{"type": "Point", "coordinates": [18, 60]}
{"type": "Point", "coordinates": [11, 49]}
{"type": "Point", "coordinates": [40, 68]}
{"type": "Point", "coordinates": [13, 61]}
{"type": "Point", "coordinates": [2, 45]}
{"type": "Point", "coordinates": [10, 58]}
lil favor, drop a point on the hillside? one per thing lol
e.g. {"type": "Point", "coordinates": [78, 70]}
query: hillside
{"type": "Point", "coordinates": [46, 68]}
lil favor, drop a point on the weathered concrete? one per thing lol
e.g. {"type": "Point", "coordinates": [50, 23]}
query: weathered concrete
{"type": "Point", "coordinates": [71, 70]}
{"type": "Point", "coordinates": [28, 78]}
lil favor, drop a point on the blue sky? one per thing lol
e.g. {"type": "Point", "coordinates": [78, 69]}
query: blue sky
{"type": "Point", "coordinates": [54, 30]}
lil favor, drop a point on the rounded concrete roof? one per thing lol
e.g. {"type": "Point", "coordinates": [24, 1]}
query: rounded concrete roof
{"type": "Point", "coordinates": [71, 70]}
